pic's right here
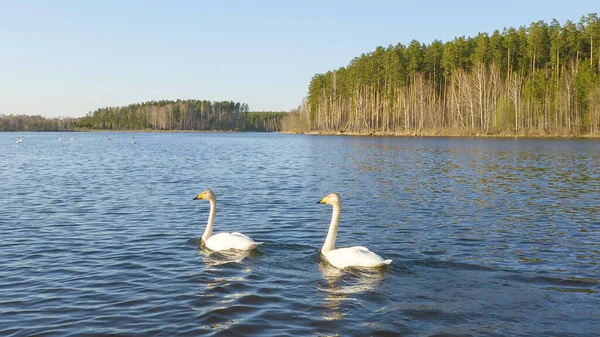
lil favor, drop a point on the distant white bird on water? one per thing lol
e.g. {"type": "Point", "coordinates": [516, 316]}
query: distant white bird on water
{"type": "Point", "coordinates": [60, 138]}
{"type": "Point", "coordinates": [356, 256]}
{"type": "Point", "coordinates": [72, 137]}
{"type": "Point", "coordinates": [107, 138]}
{"type": "Point", "coordinates": [20, 140]}
{"type": "Point", "coordinates": [132, 140]}
{"type": "Point", "coordinates": [222, 241]}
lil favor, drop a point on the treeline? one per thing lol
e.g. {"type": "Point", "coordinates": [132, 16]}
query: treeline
{"type": "Point", "coordinates": [541, 79]}
{"type": "Point", "coordinates": [268, 121]}
{"type": "Point", "coordinates": [34, 123]}
{"type": "Point", "coordinates": [181, 115]}
{"type": "Point", "coordinates": [190, 115]}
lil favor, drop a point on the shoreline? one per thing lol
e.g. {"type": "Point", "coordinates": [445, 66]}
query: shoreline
{"type": "Point", "coordinates": [443, 134]}
{"type": "Point", "coordinates": [162, 131]}
{"type": "Point", "coordinates": [131, 131]}
{"type": "Point", "coordinates": [423, 133]}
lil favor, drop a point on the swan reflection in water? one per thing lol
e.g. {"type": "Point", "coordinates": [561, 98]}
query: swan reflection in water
{"type": "Point", "coordinates": [223, 281]}
{"type": "Point", "coordinates": [212, 258]}
{"type": "Point", "coordinates": [342, 285]}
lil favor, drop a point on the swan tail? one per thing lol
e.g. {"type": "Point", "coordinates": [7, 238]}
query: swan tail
{"type": "Point", "coordinates": [387, 262]}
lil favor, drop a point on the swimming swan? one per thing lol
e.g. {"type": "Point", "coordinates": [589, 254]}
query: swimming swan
{"type": "Point", "coordinates": [356, 256]}
{"type": "Point", "coordinates": [222, 241]}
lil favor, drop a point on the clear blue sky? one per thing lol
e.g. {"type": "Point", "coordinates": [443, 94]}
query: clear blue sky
{"type": "Point", "coordinates": [66, 58]}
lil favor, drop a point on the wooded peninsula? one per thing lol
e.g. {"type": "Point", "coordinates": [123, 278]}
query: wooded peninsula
{"type": "Point", "coordinates": [538, 80]}
{"type": "Point", "coordinates": [180, 115]}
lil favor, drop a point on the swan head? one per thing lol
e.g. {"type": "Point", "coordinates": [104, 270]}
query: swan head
{"type": "Point", "coordinates": [331, 199]}
{"type": "Point", "coordinates": [206, 195]}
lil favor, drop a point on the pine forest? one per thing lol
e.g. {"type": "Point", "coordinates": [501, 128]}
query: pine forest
{"type": "Point", "coordinates": [542, 79]}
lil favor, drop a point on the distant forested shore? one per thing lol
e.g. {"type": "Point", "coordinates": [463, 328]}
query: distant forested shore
{"type": "Point", "coordinates": [536, 80]}
{"type": "Point", "coordinates": [539, 80]}
{"type": "Point", "coordinates": [165, 115]}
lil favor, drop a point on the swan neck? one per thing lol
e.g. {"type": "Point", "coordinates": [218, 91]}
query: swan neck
{"type": "Point", "coordinates": [211, 221]}
{"type": "Point", "coordinates": [333, 229]}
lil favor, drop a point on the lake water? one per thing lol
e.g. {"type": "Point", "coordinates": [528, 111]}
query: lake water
{"type": "Point", "coordinates": [489, 237]}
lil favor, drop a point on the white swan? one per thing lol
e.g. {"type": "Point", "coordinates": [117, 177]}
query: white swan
{"type": "Point", "coordinates": [356, 256]}
{"type": "Point", "coordinates": [222, 241]}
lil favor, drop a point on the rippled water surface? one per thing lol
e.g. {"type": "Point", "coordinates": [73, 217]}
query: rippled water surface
{"type": "Point", "coordinates": [489, 237]}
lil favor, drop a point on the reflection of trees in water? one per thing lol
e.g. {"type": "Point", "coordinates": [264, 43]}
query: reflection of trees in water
{"type": "Point", "coordinates": [344, 285]}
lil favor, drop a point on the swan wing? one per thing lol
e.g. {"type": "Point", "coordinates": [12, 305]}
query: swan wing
{"type": "Point", "coordinates": [247, 238]}
{"type": "Point", "coordinates": [357, 256]}
{"type": "Point", "coordinates": [240, 235]}
{"type": "Point", "coordinates": [225, 241]}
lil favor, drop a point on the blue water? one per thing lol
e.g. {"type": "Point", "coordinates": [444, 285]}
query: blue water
{"type": "Point", "coordinates": [489, 237]}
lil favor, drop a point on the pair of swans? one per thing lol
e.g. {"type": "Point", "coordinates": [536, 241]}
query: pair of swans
{"type": "Point", "coordinates": [356, 256]}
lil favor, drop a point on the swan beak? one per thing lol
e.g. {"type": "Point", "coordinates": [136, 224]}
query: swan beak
{"type": "Point", "coordinates": [200, 196]}
{"type": "Point", "coordinates": [324, 200]}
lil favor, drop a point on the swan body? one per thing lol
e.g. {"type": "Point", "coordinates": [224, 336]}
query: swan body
{"type": "Point", "coordinates": [225, 241]}
{"type": "Point", "coordinates": [222, 241]}
{"type": "Point", "coordinates": [357, 256]}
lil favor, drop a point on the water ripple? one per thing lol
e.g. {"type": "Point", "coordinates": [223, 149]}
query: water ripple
{"type": "Point", "coordinates": [490, 237]}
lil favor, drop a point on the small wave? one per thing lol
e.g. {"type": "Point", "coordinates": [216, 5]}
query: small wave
{"type": "Point", "coordinates": [557, 282]}
{"type": "Point", "coordinates": [432, 314]}
{"type": "Point", "coordinates": [290, 246]}
{"type": "Point", "coordinates": [450, 264]}
{"type": "Point", "coordinates": [573, 290]}
{"type": "Point", "coordinates": [226, 314]}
